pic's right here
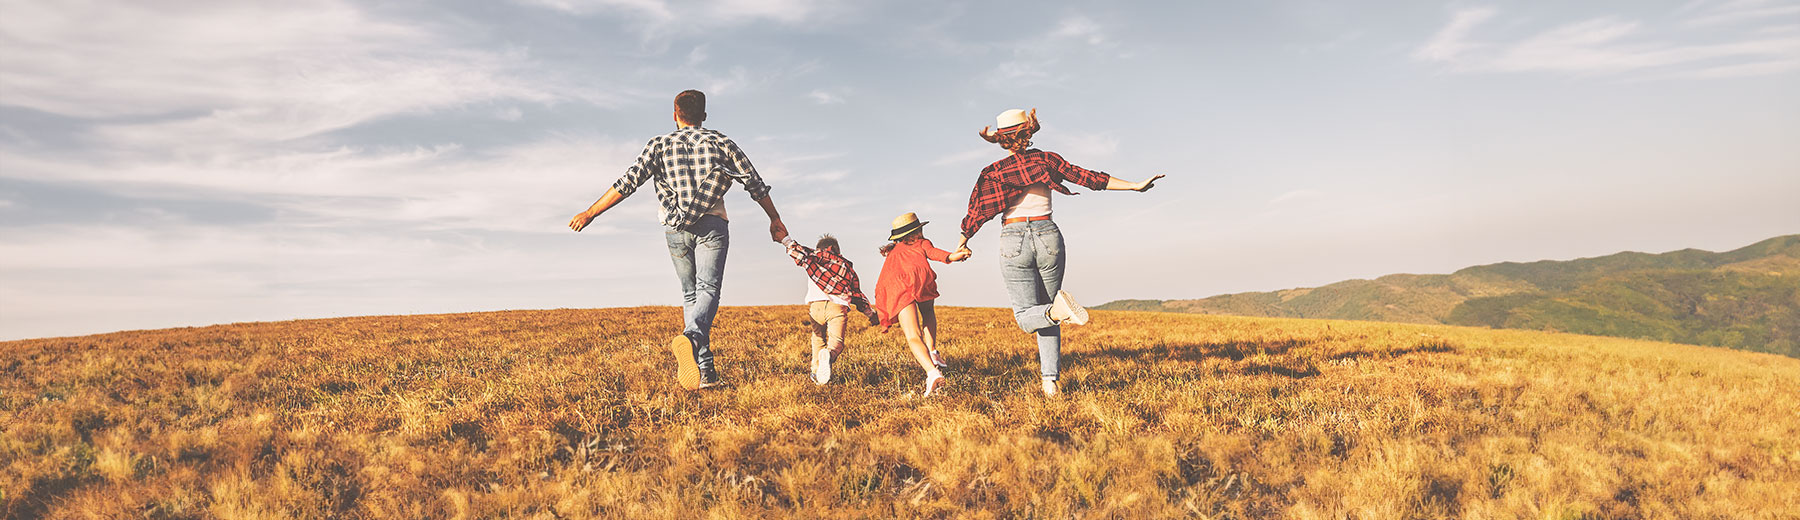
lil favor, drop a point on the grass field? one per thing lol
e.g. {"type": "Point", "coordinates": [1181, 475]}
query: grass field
{"type": "Point", "coordinates": [574, 413]}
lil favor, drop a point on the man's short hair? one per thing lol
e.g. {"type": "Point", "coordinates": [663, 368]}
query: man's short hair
{"type": "Point", "coordinates": [690, 106]}
{"type": "Point", "coordinates": [827, 242]}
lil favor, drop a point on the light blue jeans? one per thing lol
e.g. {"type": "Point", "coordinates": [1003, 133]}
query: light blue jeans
{"type": "Point", "coordinates": [699, 254]}
{"type": "Point", "coordinates": [1031, 262]}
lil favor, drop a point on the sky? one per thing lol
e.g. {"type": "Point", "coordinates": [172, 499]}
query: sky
{"type": "Point", "coordinates": [177, 163]}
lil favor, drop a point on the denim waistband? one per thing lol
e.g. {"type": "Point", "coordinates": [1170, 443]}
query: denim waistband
{"type": "Point", "coordinates": [1032, 225]}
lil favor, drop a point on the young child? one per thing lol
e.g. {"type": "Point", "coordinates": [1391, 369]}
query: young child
{"type": "Point", "coordinates": [907, 289]}
{"type": "Point", "coordinates": [833, 290]}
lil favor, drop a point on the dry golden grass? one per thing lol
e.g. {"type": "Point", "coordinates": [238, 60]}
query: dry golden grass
{"type": "Point", "coordinates": [574, 413]}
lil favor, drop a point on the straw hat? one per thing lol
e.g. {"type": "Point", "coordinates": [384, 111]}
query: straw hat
{"type": "Point", "coordinates": [905, 225]}
{"type": "Point", "coordinates": [1011, 121]}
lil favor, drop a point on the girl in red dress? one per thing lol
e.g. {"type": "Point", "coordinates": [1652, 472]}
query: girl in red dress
{"type": "Point", "coordinates": [907, 289]}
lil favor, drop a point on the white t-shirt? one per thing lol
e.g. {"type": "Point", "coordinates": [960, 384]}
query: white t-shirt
{"type": "Point", "coordinates": [815, 294]}
{"type": "Point", "coordinates": [1034, 203]}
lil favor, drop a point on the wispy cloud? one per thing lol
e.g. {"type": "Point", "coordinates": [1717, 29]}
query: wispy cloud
{"type": "Point", "coordinates": [654, 9]}
{"type": "Point", "coordinates": [1300, 195]}
{"type": "Point", "coordinates": [1035, 60]}
{"type": "Point", "coordinates": [665, 17]}
{"type": "Point", "coordinates": [1614, 45]}
{"type": "Point", "coordinates": [1085, 146]}
{"type": "Point", "coordinates": [1452, 40]}
{"type": "Point", "coordinates": [972, 156]}
{"type": "Point", "coordinates": [286, 68]}
{"type": "Point", "coordinates": [826, 97]}
{"type": "Point", "coordinates": [1708, 12]}
{"type": "Point", "coordinates": [441, 187]}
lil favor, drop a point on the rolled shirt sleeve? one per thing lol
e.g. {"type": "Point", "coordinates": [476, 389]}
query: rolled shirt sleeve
{"type": "Point", "coordinates": [641, 170]}
{"type": "Point", "coordinates": [741, 170]}
{"type": "Point", "coordinates": [1093, 180]}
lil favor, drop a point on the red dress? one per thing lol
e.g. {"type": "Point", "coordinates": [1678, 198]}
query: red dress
{"type": "Point", "coordinates": [907, 278]}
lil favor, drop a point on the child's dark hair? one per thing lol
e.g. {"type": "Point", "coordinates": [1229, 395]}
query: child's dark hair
{"type": "Point", "coordinates": [827, 242]}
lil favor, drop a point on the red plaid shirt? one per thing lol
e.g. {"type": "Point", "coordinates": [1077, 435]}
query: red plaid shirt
{"type": "Point", "coordinates": [831, 272]}
{"type": "Point", "coordinates": [1004, 181]}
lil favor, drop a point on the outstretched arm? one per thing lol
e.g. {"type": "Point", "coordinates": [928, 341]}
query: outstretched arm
{"type": "Point", "coordinates": [1116, 183]}
{"type": "Point", "coordinates": [645, 167]}
{"type": "Point", "coordinates": [606, 202]}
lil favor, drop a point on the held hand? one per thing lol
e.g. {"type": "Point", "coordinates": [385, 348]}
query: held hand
{"type": "Point", "coordinates": [580, 221]}
{"type": "Point", "coordinates": [777, 231]}
{"type": "Point", "coordinates": [960, 255]}
{"type": "Point", "coordinates": [1146, 185]}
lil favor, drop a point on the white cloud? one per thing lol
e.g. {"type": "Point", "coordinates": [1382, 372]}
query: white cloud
{"type": "Point", "coordinates": [662, 17]}
{"type": "Point", "coordinates": [1080, 146]}
{"type": "Point", "coordinates": [1723, 13]}
{"type": "Point", "coordinates": [1300, 195]}
{"type": "Point", "coordinates": [82, 279]}
{"type": "Point", "coordinates": [971, 157]}
{"type": "Point", "coordinates": [1081, 29]}
{"type": "Point", "coordinates": [524, 188]}
{"type": "Point", "coordinates": [825, 97]}
{"type": "Point", "coordinates": [1036, 60]}
{"type": "Point", "coordinates": [1451, 40]}
{"type": "Point", "coordinates": [654, 9]}
{"type": "Point", "coordinates": [1612, 45]}
{"type": "Point", "coordinates": [206, 80]}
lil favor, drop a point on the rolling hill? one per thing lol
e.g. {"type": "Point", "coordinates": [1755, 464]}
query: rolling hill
{"type": "Point", "coordinates": [1747, 299]}
{"type": "Point", "coordinates": [573, 414]}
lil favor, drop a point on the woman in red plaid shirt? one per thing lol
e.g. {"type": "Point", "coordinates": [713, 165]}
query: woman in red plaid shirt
{"type": "Point", "coordinates": [1031, 246]}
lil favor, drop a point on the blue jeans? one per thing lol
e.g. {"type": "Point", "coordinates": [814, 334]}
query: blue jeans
{"type": "Point", "coordinates": [699, 254]}
{"type": "Point", "coordinates": [1031, 262]}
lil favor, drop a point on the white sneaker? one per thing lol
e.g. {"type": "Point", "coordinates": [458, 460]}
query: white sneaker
{"type": "Point", "coordinates": [938, 361]}
{"type": "Point", "coordinates": [1050, 388]}
{"type": "Point", "coordinates": [821, 366]}
{"type": "Point", "coordinates": [1064, 308]}
{"type": "Point", "coordinates": [932, 383]}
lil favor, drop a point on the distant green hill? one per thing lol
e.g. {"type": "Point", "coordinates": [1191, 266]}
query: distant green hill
{"type": "Point", "coordinates": [1748, 298]}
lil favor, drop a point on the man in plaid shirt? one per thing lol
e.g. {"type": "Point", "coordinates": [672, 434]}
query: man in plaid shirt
{"type": "Point", "coordinates": [834, 289]}
{"type": "Point", "coordinates": [692, 168]}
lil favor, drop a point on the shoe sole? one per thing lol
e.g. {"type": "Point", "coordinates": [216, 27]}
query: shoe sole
{"type": "Point", "coordinates": [932, 386]}
{"type": "Point", "coordinates": [822, 367]}
{"type": "Point", "coordinates": [687, 369]}
{"type": "Point", "coordinates": [1077, 314]}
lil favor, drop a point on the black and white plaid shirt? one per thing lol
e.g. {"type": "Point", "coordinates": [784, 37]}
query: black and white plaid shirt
{"type": "Point", "coordinates": [693, 168]}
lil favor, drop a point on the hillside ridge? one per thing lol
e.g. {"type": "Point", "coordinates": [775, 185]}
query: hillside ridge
{"type": "Point", "coordinates": [1746, 298]}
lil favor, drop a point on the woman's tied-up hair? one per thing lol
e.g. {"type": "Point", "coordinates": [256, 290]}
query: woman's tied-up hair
{"type": "Point", "coordinates": [1014, 138]}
